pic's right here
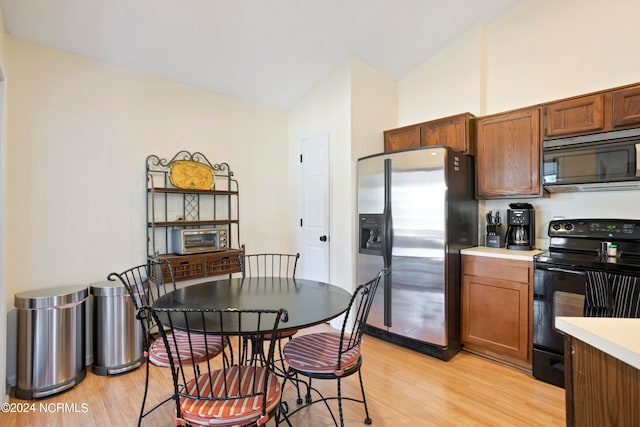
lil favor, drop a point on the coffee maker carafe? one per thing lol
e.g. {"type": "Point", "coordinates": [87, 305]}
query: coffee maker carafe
{"type": "Point", "coordinates": [521, 221]}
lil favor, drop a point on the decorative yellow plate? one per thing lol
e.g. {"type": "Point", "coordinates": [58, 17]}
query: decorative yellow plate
{"type": "Point", "coordinates": [190, 175]}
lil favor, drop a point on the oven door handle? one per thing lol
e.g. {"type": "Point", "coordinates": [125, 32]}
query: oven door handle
{"type": "Point", "coordinates": [564, 270]}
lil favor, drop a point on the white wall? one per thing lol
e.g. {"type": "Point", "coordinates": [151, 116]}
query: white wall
{"type": "Point", "coordinates": [79, 133]}
{"type": "Point", "coordinates": [373, 109]}
{"type": "Point", "coordinates": [541, 50]}
{"type": "Point", "coordinates": [78, 136]}
{"type": "Point", "coordinates": [3, 204]}
{"type": "Point", "coordinates": [327, 108]}
{"type": "Point", "coordinates": [537, 51]}
{"type": "Point", "coordinates": [448, 83]}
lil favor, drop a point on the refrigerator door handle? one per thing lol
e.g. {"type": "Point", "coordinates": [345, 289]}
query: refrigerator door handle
{"type": "Point", "coordinates": [388, 221]}
{"type": "Point", "coordinates": [387, 300]}
{"type": "Point", "coordinates": [388, 238]}
{"type": "Point", "coordinates": [388, 242]}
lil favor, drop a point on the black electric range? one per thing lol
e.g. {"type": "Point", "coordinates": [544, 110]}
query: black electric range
{"type": "Point", "coordinates": [578, 249]}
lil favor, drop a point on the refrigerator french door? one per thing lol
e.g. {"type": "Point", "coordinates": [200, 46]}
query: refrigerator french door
{"type": "Point", "coordinates": [416, 210]}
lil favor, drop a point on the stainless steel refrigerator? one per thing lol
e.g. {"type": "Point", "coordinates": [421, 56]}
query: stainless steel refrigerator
{"type": "Point", "coordinates": [416, 210]}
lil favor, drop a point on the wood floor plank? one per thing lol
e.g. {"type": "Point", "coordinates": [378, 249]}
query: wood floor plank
{"type": "Point", "coordinates": [403, 388]}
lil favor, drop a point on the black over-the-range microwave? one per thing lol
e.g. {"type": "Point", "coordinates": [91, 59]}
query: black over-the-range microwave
{"type": "Point", "coordinates": [605, 161]}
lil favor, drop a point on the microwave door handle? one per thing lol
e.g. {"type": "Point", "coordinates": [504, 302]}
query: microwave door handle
{"type": "Point", "coordinates": [637, 160]}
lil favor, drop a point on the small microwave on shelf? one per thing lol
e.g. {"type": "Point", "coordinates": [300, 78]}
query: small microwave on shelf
{"type": "Point", "coordinates": [198, 240]}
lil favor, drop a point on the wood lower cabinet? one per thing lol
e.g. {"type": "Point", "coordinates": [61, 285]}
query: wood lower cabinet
{"type": "Point", "coordinates": [496, 308]}
{"type": "Point", "coordinates": [600, 389]}
{"type": "Point", "coordinates": [508, 155]}
{"type": "Point", "coordinates": [456, 132]}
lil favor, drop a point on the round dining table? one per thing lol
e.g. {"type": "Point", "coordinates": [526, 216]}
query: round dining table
{"type": "Point", "coordinates": [307, 302]}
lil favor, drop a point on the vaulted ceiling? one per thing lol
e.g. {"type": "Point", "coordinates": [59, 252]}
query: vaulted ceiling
{"type": "Point", "coordinates": [266, 51]}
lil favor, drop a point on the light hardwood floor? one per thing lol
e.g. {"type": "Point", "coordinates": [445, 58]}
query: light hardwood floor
{"type": "Point", "coordinates": [404, 388]}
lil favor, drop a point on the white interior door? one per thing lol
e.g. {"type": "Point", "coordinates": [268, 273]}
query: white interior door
{"type": "Point", "coordinates": [314, 197]}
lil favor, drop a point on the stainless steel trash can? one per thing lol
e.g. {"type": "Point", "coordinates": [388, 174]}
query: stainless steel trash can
{"type": "Point", "coordinates": [117, 334]}
{"type": "Point", "coordinates": [51, 340]}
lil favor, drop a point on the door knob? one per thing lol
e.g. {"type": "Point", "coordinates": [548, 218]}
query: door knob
{"type": "Point", "coordinates": [323, 238]}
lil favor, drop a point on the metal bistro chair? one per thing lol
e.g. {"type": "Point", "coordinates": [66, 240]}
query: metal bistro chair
{"type": "Point", "coordinates": [240, 393]}
{"type": "Point", "coordinates": [271, 265]}
{"type": "Point", "coordinates": [332, 355]}
{"type": "Point", "coordinates": [146, 283]}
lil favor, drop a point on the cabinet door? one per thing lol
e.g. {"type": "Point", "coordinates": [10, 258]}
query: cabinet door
{"type": "Point", "coordinates": [453, 132]}
{"type": "Point", "coordinates": [508, 155]}
{"type": "Point", "coordinates": [601, 389]}
{"type": "Point", "coordinates": [402, 138]}
{"type": "Point", "coordinates": [574, 116]}
{"type": "Point", "coordinates": [626, 107]}
{"type": "Point", "coordinates": [495, 316]}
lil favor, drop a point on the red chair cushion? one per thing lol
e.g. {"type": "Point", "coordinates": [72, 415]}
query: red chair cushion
{"type": "Point", "coordinates": [318, 353]}
{"type": "Point", "coordinates": [201, 350]}
{"type": "Point", "coordinates": [230, 412]}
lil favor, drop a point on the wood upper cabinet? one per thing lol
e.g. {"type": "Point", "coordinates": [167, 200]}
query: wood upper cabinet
{"type": "Point", "coordinates": [456, 132]}
{"type": "Point", "coordinates": [402, 138]}
{"type": "Point", "coordinates": [496, 308]}
{"type": "Point", "coordinates": [585, 114]}
{"type": "Point", "coordinates": [598, 112]}
{"type": "Point", "coordinates": [625, 107]}
{"type": "Point", "coordinates": [508, 155]}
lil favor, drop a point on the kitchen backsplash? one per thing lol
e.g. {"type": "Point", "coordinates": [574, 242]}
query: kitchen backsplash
{"type": "Point", "coordinates": [601, 204]}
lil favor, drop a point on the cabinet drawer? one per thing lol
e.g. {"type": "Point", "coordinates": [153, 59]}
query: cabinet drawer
{"type": "Point", "coordinates": [202, 265]}
{"type": "Point", "coordinates": [217, 265]}
{"type": "Point", "coordinates": [188, 268]}
{"type": "Point", "coordinates": [497, 268]}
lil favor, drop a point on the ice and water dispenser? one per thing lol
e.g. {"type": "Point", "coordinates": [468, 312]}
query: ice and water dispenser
{"type": "Point", "coordinates": [371, 234]}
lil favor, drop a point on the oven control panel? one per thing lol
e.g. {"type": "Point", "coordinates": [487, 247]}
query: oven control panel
{"type": "Point", "coordinates": [620, 229]}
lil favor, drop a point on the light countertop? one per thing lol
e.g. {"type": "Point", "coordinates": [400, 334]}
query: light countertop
{"type": "Point", "coordinates": [617, 337]}
{"type": "Point", "coordinates": [502, 253]}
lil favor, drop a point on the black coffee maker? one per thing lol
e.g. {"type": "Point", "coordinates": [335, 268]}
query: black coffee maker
{"type": "Point", "coordinates": [521, 224]}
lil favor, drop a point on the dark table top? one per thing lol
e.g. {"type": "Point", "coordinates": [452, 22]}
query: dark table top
{"type": "Point", "coordinates": [307, 302]}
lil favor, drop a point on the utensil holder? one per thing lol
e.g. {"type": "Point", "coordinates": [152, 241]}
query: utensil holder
{"type": "Point", "coordinates": [494, 241]}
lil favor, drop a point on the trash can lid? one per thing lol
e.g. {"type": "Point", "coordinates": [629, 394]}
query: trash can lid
{"type": "Point", "coordinates": [108, 288]}
{"type": "Point", "coordinates": [51, 297]}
